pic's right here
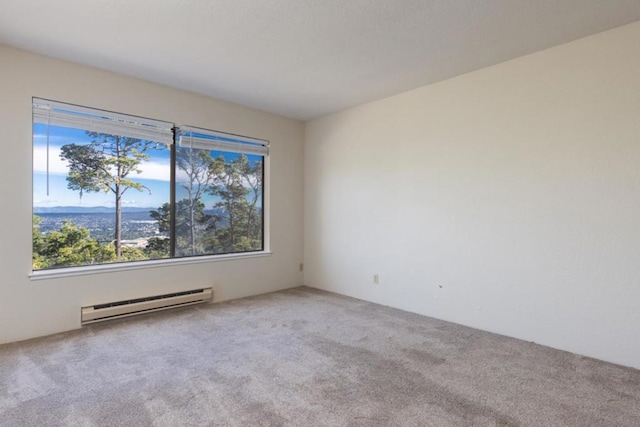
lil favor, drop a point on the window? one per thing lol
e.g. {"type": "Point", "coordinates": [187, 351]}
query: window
{"type": "Point", "coordinates": [218, 189]}
{"type": "Point", "coordinates": [114, 188]}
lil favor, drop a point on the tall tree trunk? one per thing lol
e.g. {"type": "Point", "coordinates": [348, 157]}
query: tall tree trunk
{"type": "Point", "coordinates": [232, 231]}
{"type": "Point", "coordinates": [249, 222]}
{"type": "Point", "coordinates": [192, 236]}
{"type": "Point", "coordinates": [252, 209]}
{"type": "Point", "coordinates": [118, 237]}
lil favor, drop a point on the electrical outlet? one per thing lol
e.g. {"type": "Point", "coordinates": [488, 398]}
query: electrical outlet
{"type": "Point", "coordinates": [376, 279]}
{"type": "Point", "coordinates": [301, 267]}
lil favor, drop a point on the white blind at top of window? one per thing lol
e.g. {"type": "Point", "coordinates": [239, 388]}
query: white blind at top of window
{"type": "Point", "coordinates": [204, 139]}
{"type": "Point", "coordinates": [58, 114]}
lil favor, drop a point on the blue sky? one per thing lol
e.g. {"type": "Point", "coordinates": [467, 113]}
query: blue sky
{"type": "Point", "coordinates": [155, 174]}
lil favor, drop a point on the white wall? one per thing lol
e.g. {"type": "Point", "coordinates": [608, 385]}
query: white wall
{"type": "Point", "coordinates": [507, 199]}
{"type": "Point", "coordinates": [32, 308]}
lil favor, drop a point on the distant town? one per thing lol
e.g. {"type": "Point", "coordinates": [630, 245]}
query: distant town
{"type": "Point", "coordinates": [137, 224]}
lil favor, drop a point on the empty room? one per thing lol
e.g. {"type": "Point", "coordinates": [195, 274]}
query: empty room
{"type": "Point", "coordinates": [320, 213]}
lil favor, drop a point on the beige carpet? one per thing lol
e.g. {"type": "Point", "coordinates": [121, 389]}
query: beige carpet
{"type": "Point", "coordinates": [306, 358]}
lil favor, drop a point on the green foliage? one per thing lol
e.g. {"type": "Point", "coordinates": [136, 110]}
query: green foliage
{"type": "Point", "coordinates": [163, 217]}
{"type": "Point", "coordinates": [157, 247]}
{"type": "Point", "coordinates": [237, 228]}
{"type": "Point", "coordinates": [190, 217]}
{"type": "Point", "coordinates": [70, 246]}
{"type": "Point", "coordinates": [230, 180]}
{"type": "Point", "coordinates": [105, 165]}
{"type": "Point", "coordinates": [191, 226]}
{"type": "Point", "coordinates": [73, 246]}
{"type": "Point", "coordinates": [86, 168]}
{"type": "Point", "coordinates": [38, 261]}
{"type": "Point", "coordinates": [132, 254]}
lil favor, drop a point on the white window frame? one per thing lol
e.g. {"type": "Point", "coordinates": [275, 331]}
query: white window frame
{"type": "Point", "coordinates": [63, 114]}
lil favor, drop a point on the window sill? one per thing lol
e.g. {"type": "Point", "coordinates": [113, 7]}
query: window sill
{"type": "Point", "coordinates": [108, 268]}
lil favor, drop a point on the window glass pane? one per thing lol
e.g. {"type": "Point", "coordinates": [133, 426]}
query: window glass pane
{"type": "Point", "coordinates": [219, 201]}
{"type": "Point", "coordinates": [109, 187]}
{"type": "Point", "coordinates": [93, 197]}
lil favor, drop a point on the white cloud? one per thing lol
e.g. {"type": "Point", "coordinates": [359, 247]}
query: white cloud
{"type": "Point", "coordinates": [150, 170]}
{"type": "Point", "coordinates": [56, 164]}
{"type": "Point", "coordinates": [154, 170]}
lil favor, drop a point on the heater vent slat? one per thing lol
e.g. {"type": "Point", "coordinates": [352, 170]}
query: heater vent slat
{"type": "Point", "coordinates": [132, 301]}
{"type": "Point", "coordinates": [111, 310]}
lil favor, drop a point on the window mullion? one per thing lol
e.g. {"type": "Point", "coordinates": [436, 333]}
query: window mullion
{"type": "Point", "coordinates": [172, 198]}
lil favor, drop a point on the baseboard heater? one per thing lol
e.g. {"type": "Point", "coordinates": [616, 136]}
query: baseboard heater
{"type": "Point", "coordinates": [113, 310]}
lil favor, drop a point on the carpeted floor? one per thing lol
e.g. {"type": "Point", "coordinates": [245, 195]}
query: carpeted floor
{"type": "Point", "coordinates": [304, 357]}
